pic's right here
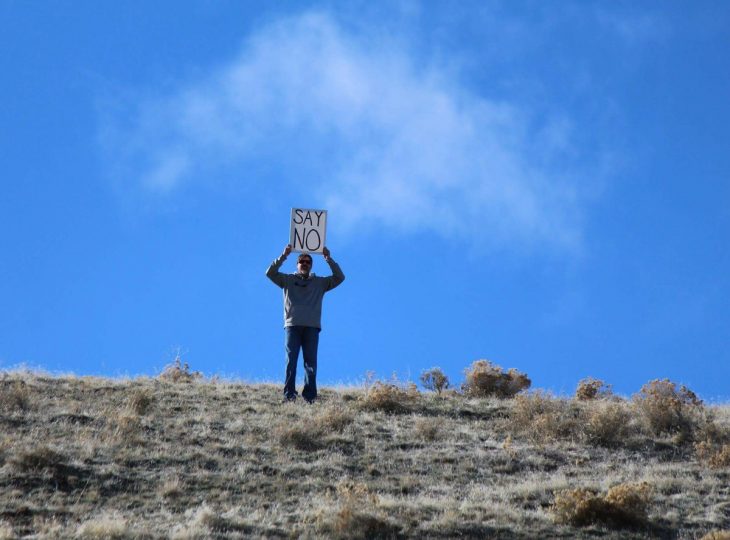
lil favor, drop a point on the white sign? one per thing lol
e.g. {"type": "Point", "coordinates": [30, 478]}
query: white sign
{"type": "Point", "coordinates": [308, 228]}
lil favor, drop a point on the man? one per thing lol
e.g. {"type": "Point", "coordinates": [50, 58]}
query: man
{"type": "Point", "coordinates": [303, 293]}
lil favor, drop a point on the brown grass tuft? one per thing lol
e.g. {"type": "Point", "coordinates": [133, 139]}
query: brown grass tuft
{"type": "Point", "coordinates": [311, 433]}
{"type": "Point", "coordinates": [140, 402]}
{"type": "Point", "coordinates": [103, 527]}
{"type": "Point", "coordinates": [14, 396]}
{"type": "Point", "coordinates": [6, 531]}
{"type": "Point", "coordinates": [37, 459]}
{"type": "Point", "coordinates": [717, 535]}
{"type": "Point", "coordinates": [428, 429]}
{"type": "Point", "coordinates": [485, 379]}
{"type": "Point", "coordinates": [625, 505]}
{"type": "Point", "coordinates": [357, 515]}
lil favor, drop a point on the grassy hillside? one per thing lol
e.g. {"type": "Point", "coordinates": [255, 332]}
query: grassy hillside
{"type": "Point", "coordinates": [186, 457]}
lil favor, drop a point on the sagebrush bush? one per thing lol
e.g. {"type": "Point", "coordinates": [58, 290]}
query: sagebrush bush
{"type": "Point", "coordinates": [590, 388]}
{"type": "Point", "coordinates": [607, 423]}
{"type": "Point", "coordinates": [388, 397]}
{"type": "Point", "coordinates": [625, 505]}
{"type": "Point", "coordinates": [716, 456]}
{"type": "Point", "coordinates": [434, 379]}
{"type": "Point", "coordinates": [668, 409]}
{"type": "Point", "coordinates": [485, 379]}
{"type": "Point", "coordinates": [179, 372]}
{"type": "Point", "coordinates": [543, 418]}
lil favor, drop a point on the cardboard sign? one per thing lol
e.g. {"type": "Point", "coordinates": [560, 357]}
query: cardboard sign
{"type": "Point", "coordinates": [308, 228]}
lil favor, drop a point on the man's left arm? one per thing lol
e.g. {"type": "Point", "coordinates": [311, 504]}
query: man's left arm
{"type": "Point", "coordinates": [337, 276]}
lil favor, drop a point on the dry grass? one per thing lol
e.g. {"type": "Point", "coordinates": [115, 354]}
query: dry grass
{"type": "Point", "coordinates": [187, 457]}
{"type": "Point", "coordinates": [717, 535]}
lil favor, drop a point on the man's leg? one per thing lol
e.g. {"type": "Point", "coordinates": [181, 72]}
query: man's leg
{"type": "Point", "coordinates": [292, 345]}
{"type": "Point", "coordinates": [310, 343]}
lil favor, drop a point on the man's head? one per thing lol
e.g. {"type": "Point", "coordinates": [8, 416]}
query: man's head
{"type": "Point", "coordinates": [304, 263]}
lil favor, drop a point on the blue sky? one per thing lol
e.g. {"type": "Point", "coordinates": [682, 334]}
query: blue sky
{"type": "Point", "coordinates": [542, 184]}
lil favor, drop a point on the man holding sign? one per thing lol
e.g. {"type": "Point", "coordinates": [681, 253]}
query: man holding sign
{"type": "Point", "coordinates": [303, 294]}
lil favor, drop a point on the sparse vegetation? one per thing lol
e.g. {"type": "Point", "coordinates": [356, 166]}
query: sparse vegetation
{"type": "Point", "coordinates": [485, 379]}
{"type": "Point", "coordinates": [435, 380]}
{"type": "Point", "coordinates": [199, 458]}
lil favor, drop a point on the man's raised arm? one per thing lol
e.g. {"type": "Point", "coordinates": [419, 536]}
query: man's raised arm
{"type": "Point", "coordinates": [337, 276]}
{"type": "Point", "coordinates": [273, 271]}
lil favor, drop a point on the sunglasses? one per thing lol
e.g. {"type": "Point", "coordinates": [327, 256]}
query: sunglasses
{"type": "Point", "coordinates": [305, 261]}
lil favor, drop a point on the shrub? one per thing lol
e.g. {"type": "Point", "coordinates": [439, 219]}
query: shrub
{"type": "Point", "coordinates": [179, 371]}
{"type": "Point", "coordinates": [606, 424]}
{"type": "Point", "coordinates": [625, 505]}
{"type": "Point", "coordinates": [667, 409]}
{"type": "Point", "coordinates": [543, 417]}
{"type": "Point", "coordinates": [484, 379]}
{"type": "Point", "coordinates": [716, 456]}
{"type": "Point", "coordinates": [388, 397]}
{"type": "Point", "coordinates": [435, 380]}
{"type": "Point", "coordinates": [590, 388]}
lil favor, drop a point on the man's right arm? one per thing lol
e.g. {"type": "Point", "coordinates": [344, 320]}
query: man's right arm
{"type": "Point", "coordinates": [273, 271]}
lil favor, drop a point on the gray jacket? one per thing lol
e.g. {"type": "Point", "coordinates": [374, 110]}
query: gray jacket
{"type": "Point", "coordinates": [303, 296]}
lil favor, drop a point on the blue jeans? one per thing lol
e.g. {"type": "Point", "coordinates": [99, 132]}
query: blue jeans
{"type": "Point", "coordinates": [307, 339]}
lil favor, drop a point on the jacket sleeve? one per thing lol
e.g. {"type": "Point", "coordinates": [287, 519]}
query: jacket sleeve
{"type": "Point", "coordinates": [273, 272]}
{"type": "Point", "coordinates": [336, 278]}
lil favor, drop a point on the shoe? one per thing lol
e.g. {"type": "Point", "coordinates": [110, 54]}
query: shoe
{"type": "Point", "coordinates": [289, 399]}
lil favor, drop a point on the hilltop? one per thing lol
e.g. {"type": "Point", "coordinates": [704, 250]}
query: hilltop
{"type": "Point", "coordinates": [188, 457]}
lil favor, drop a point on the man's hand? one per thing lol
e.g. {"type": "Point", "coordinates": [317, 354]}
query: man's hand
{"type": "Point", "coordinates": [287, 251]}
{"type": "Point", "coordinates": [326, 253]}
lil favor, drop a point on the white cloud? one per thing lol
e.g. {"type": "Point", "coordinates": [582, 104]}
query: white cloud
{"type": "Point", "coordinates": [394, 144]}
